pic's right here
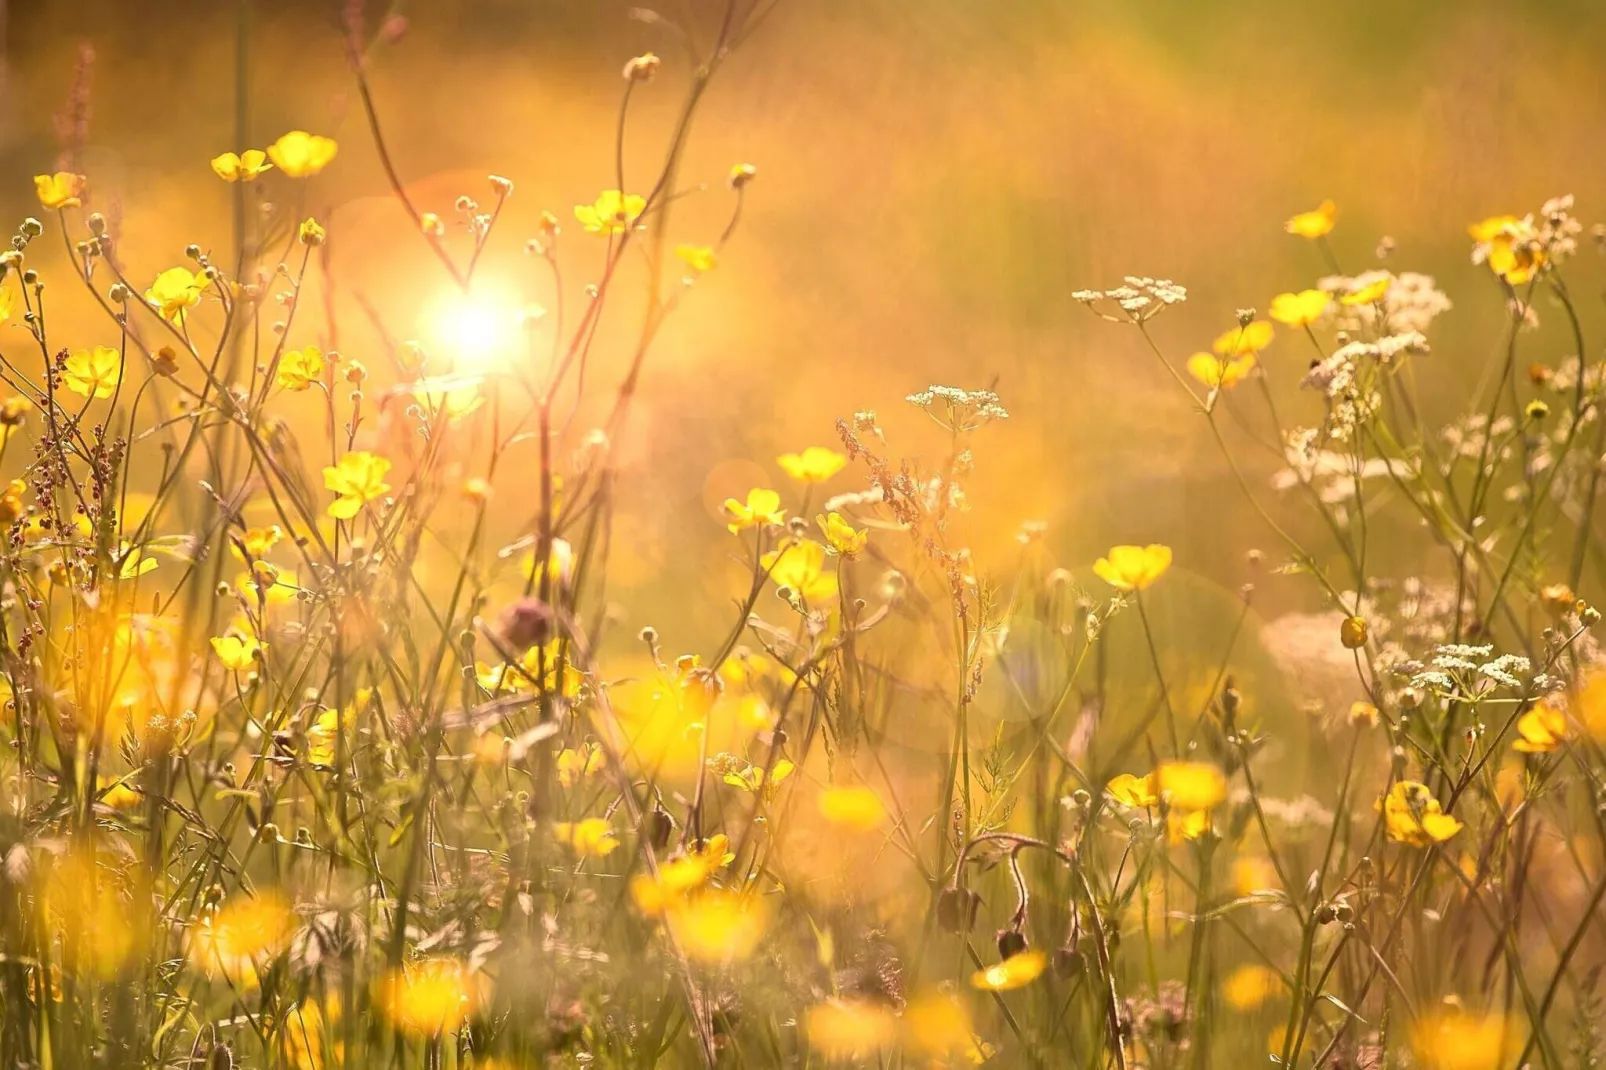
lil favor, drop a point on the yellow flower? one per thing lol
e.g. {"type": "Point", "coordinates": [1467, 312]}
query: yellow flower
{"type": "Point", "coordinates": [1456, 1040]}
{"type": "Point", "coordinates": [1314, 224]}
{"type": "Point", "coordinates": [850, 1029]}
{"type": "Point", "coordinates": [175, 291]}
{"type": "Point", "coordinates": [752, 778]}
{"type": "Point", "coordinates": [1543, 729]}
{"type": "Point", "coordinates": [119, 794]}
{"type": "Point", "coordinates": [676, 879]}
{"type": "Point", "coordinates": [11, 503]}
{"type": "Point", "coordinates": [242, 167]}
{"type": "Point", "coordinates": [300, 368]}
{"type": "Point", "coordinates": [1510, 247]}
{"type": "Point", "coordinates": [323, 735]}
{"type": "Point", "coordinates": [1253, 873]}
{"type": "Point", "coordinates": [699, 258]}
{"type": "Point", "coordinates": [1191, 785]}
{"type": "Point", "coordinates": [1368, 294]}
{"type": "Point", "coordinates": [257, 542]}
{"type": "Point", "coordinates": [1219, 374]}
{"type": "Point", "coordinates": [575, 765]}
{"type": "Point", "coordinates": [308, 1031]}
{"type": "Point", "coordinates": [1133, 568]}
{"type": "Point", "coordinates": [1129, 790]}
{"type": "Point", "coordinates": [132, 562]}
{"type": "Point", "coordinates": [1017, 971]}
{"type": "Point", "coordinates": [843, 537]}
{"type": "Point", "coordinates": [762, 507]}
{"type": "Point", "coordinates": [800, 565]}
{"type": "Point", "coordinates": [93, 373]}
{"type": "Point", "coordinates": [60, 190]}
{"type": "Point", "coordinates": [714, 852]}
{"type": "Point", "coordinates": [431, 998]}
{"type": "Point", "coordinates": [1243, 341]}
{"type": "Point", "coordinates": [358, 478]}
{"type": "Point", "coordinates": [590, 838]}
{"type": "Point", "coordinates": [718, 926]}
{"type": "Point", "coordinates": [237, 653]}
{"type": "Point", "coordinates": [302, 155]}
{"type": "Point", "coordinates": [1301, 309]}
{"type": "Point", "coordinates": [1414, 817]}
{"type": "Point", "coordinates": [311, 232]}
{"type": "Point", "coordinates": [1184, 825]}
{"type": "Point", "coordinates": [1247, 987]}
{"type": "Point", "coordinates": [242, 938]}
{"type": "Point", "coordinates": [612, 212]}
{"type": "Point", "coordinates": [815, 464]}
{"type": "Point", "coordinates": [852, 806]}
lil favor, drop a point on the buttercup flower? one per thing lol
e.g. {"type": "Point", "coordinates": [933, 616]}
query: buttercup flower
{"type": "Point", "coordinates": [300, 368]}
{"type": "Point", "coordinates": [175, 291]}
{"type": "Point", "coordinates": [237, 653]}
{"type": "Point", "coordinates": [591, 838]}
{"type": "Point", "coordinates": [1219, 374]}
{"type": "Point", "coordinates": [612, 212]}
{"type": "Point", "coordinates": [244, 167]}
{"type": "Point", "coordinates": [1301, 309]}
{"type": "Point", "coordinates": [843, 538]}
{"type": "Point", "coordinates": [359, 478]}
{"type": "Point", "coordinates": [815, 464]}
{"type": "Point", "coordinates": [1542, 729]}
{"type": "Point", "coordinates": [800, 565]}
{"type": "Point", "coordinates": [1017, 971]}
{"type": "Point", "coordinates": [1133, 568]}
{"type": "Point", "coordinates": [429, 999]}
{"type": "Point", "coordinates": [1414, 817]}
{"type": "Point", "coordinates": [762, 507]}
{"type": "Point", "coordinates": [60, 190]}
{"type": "Point", "coordinates": [1134, 791]}
{"type": "Point", "coordinates": [1242, 341]}
{"type": "Point", "coordinates": [93, 373]}
{"type": "Point", "coordinates": [302, 155]}
{"type": "Point", "coordinates": [1314, 224]}
{"type": "Point", "coordinates": [1191, 785]}
{"type": "Point", "coordinates": [697, 258]}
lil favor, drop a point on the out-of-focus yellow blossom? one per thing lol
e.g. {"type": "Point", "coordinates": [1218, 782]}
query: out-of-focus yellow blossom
{"type": "Point", "coordinates": [1184, 825]}
{"type": "Point", "coordinates": [1191, 785]}
{"type": "Point", "coordinates": [359, 478]}
{"type": "Point", "coordinates": [1371, 293]}
{"type": "Point", "coordinates": [302, 155]}
{"type": "Point", "coordinates": [697, 258]}
{"type": "Point", "coordinates": [64, 189]}
{"type": "Point", "coordinates": [268, 583]}
{"type": "Point", "coordinates": [852, 806]}
{"type": "Point", "coordinates": [1590, 704]}
{"type": "Point", "coordinates": [762, 507]}
{"type": "Point", "coordinates": [842, 536]}
{"type": "Point", "coordinates": [12, 505]}
{"type": "Point", "coordinates": [93, 373]}
{"type": "Point", "coordinates": [176, 291]}
{"type": "Point", "coordinates": [1243, 340]}
{"type": "Point", "coordinates": [1017, 971]}
{"type": "Point", "coordinates": [1364, 715]}
{"type": "Point", "coordinates": [714, 852]}
{"type": "Point", "coordinates": [322, 735]}
{"type": "Point", "coordinates": [752, 777]}
{"type": "Point", "coordinates": [1314, 224]}
{"type": "Point", "coordinates": [1414, 817]}
{"type": "Point", "coordinates": [1218, 373]}
{"type": "Point", "coordinates": [241, 167]}
{"type": "Point", "coordinates": [80, 896]}
{"type": "Point", "coordinates": [1510, 247]}
{"type": "Point", "coordinates": [850, 1029]}
{"type": "Point", "coordinates": [1456, 1040]}
{"type": "Point", "coordinates": [677, 878]}
{"type": "Point", "coordinates": [611, 213]}
{"type": "Point", "coordinates": [300, 368]}
{"type": "Point", "coordinates": [237, 653]}
{"type": "Point", "coordinates": [308, 1032]}
{"type": "Point", "coordinates": [575, 765]}
{"type": "Point", "coordinates": [1301, 309]}
{"type": "Point", "coordinates": [255, 544]}
{"type": "Point", "coordinates": [119, 794]}
{"type": "Point", "coordinates": [1133, 568]}
{"type": "Point", "coordinates": [815, 464]}
{"type": "Point", "coordinates": [1129, 790]}
{"type": "Point", "coordinates": [1253, 873]}
{"type": "Point", "coordinates": [718, 926]}
{"type": "Point", "coordinates": [538, 664]}
{"type": "Point", "coordinates": [591, 837]}
{"type": "Point", "coordinates": [800, 565]}
{"type": "Point", "coordinates": [429, 998]}
{"type": "Point", "coordinates": [940, 1026]}
{"type": "Point", "coordinates": [1542, 729]}
{"type": "Point", "coordinates": [242, 937]}
{"type": "Point", "coordinates": [1247, 987]}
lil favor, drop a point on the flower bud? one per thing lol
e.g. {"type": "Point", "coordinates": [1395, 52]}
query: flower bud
{"type": "Point", "coordinates": [1352, 633]}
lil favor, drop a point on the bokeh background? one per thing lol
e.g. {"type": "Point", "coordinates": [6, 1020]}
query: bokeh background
{"type": "Point", "coordinates": [936, 177]}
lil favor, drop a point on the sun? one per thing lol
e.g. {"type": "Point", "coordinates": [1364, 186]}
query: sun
{"type": "Point", "coordinates": [478, 331]}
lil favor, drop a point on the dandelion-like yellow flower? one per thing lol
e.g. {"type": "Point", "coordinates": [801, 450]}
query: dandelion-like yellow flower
{"type": "Point", "coordinates": [611, 213]}
{"type": "Point", "coordinates": [1369, 294]}
{"type": "Point", "coordinates": [1454, 1039]}
{"type": "Point", "coordinates": [1247, 987]}
{"type": "Point", "coordinates": [592, 837]}
{"type": "Point", "coordinates": [718, 926]}
{"type": "Point", "coordinates": [1017, 971]}
{"type": "Point", "coordinates": [1542, 729]}
{"type": "Point", "coordinates": [762, 507]}
{"type": "Point", "coordinates": [237, 653]}
{"type": "Point", "coordinates": [1243, 341]}
{"type": "Point", "coordinates": [430, 998]}
{"type": "Point", "coordinates": [1510, 246]}
{"type": "Point", "coordinates": [1301, 309]}
{"type": "Point", "coordinates": [850, 1029]}
{"type": "Point", "coordinates": [359, 478]}
{"type": "Point", "coordinates": [800, 565]}
{"type": "Point", "coordinates": [576, 765]}
{"type": "Point", "coordinates": [242, 937]}
{"type": "Point", "coordinates": [842, 536]}
{"type": "Point", "coordinates": [175, 292]}
{"type": "Point", "coordinates": [302, 155]}
{"type": "Point", "coordinates": [1218, 373]}
{"type": "Point", "coordinates": [697, 258]}
{"type": "Point", "coordinates": [1133, 791]}
{"type": "Point", "coordinates": [853, 807]}
{"type": "Point", "coordinates": [300, 368]}
{"type": "Point", "coordinates": [753, 778]}
{"type": "Point", "coordinates": [815, 464]}
{"type": "Point", "coordinates": [60, 190]}
{"type": "Point", "coordinates": [93, 373]}
{"type": "Point", "coordinates": [1133, 568]}
{"type": "Point", "coordinates": [241, 167]}
{"type": "Point", "coordinates": [1414, 817]}
{"type": "Point", "coordinates": [1314, 224]}
{"type": "Point", "coordinates": [676, 879]}
{"type": "Point", "coordinates": [1191, 785]}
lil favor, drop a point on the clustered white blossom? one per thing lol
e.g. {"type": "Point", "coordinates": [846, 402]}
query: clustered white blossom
{"type": "Point", "coordinates": [1140, 299]}
{"type": "Point", "coordinates": [1462, 671]}
{"type": "Point", "coordinates": [960, 410]}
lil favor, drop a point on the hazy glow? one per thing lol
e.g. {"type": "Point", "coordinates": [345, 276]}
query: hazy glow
{"type": "Point", "coordinates": [480, 331]}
